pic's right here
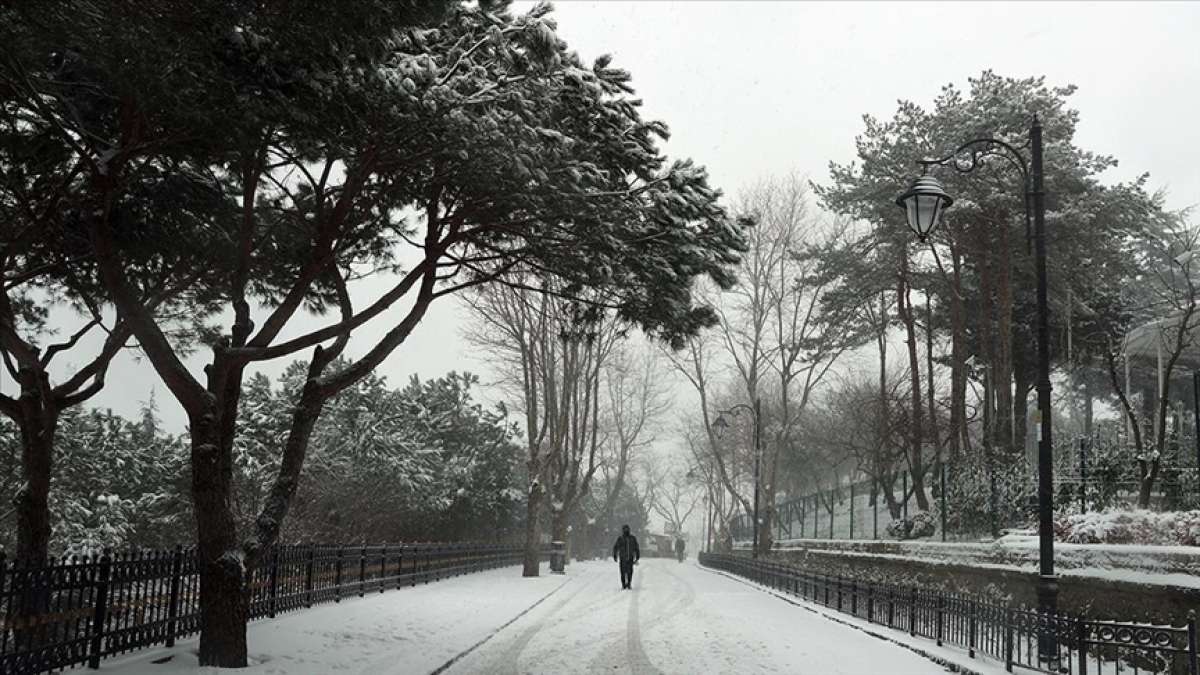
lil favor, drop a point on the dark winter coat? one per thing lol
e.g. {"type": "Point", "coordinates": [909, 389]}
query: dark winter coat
{"type": "Point", "coordinates": [626, 548]}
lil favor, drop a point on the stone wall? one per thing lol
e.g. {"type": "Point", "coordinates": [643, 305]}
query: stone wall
{"type": "Point", "coordinates": [1129, 594]}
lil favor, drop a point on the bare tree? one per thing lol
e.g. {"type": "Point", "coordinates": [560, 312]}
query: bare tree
{"type": "Point", "coordinates": [554, 354]}
{"type": "Point", "coordinates": [677, 497]}
{"type": "Point", "coordinates": [780, 337]}
{"type": "Point", "coordinates": [636, 400]}
{"type": "Point", "coordinates": [1175, 304]}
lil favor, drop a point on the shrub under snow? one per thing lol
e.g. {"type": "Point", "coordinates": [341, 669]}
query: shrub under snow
{"type": "Point", "coordinates": [920, 525]}
{"type": "Point", "coordinates": [1170, 528]}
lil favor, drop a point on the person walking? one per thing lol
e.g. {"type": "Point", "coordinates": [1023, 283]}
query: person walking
{"type": "Point", "coordinates": [627, 553]}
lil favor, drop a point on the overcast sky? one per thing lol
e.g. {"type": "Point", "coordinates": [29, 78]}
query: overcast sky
{"type": "Point", "coordinates": [753, 89]}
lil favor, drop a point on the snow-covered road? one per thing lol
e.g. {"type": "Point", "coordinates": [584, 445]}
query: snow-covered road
{"type": "Point", "coordinates": [679, 618]}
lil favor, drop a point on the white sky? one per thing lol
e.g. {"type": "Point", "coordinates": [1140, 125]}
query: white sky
{"type": "Point", "coordinates": [757, 88]}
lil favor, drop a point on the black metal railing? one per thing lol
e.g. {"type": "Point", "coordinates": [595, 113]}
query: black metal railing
{"type": "Point", "coordinates": [1008, 634]}
{"type": "Point", "coordinates": [80, 610]}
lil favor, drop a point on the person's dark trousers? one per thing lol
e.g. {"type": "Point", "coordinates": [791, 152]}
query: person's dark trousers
{"type": "Point", "coordinates": [626, 573]}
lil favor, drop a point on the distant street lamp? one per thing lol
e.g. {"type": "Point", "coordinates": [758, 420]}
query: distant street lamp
{"type": "Point", "coordinates": [923, 204]}
{"type": "Point", "coordinates": [720, 424]}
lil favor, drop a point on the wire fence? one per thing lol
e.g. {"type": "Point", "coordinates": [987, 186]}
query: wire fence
{"type": "Point", "coordinates": [964, 502]}
{"type": "Point", "coordinates": [1019, 637]}
{"type": "Point", "coordinates": [79, 610]}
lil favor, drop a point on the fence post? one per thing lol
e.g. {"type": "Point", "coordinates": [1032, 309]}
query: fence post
{"type": "Point", "coordinates": [912, 611]}
{"type": "Point", "coordinates": [362, 572]}
{"type": "Point", "coordinates": [400, 568]}
{"type": "Point", "coordinates": [1192, 669]}
{"type": "Point", "coordinates": [308, 574]}
{"type": "Point", "coordinates": [839, 593]}
{"type": "Point", "coordinates": [274, 582]}
{"type": "Point", "coordinates": [100, 612]}
{"type": "Point", "coordinates": [854, 597]}
{"type": "Point", "coordinates": [337, 577]}
{"type": "Point", "coordinates": [382, 567]}
{"type": "Point", "coordinates": [870, 603]}
{"type": "Point", "coordinates": [1008, 639]}
{"type": "Point", "coordinates": [1081, 643]}
{"type": "Point", "coordinates": [176, 582]}
{"type": "Point", "coordinates": [971, 606]}
{"type": "Point", "coordinates": [891, 607]}
{"type": "Point", "coordinates": [941, 616]}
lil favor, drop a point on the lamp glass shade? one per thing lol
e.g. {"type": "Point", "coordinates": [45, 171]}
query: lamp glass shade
{"type": "Point", "coordinates": [923, 205]}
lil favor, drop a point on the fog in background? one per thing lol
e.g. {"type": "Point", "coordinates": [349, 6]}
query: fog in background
{"type": "Point", "coordinates": [754, 89]}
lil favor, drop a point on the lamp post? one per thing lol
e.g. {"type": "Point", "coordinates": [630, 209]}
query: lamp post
{"type": "Point", "coordinates": [924, 203]}
{"type": "Point", "coordinates": [721, 424]}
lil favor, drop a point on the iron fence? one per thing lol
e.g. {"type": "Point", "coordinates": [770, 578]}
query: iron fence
{"type": "Point", "coordinates": [79, 610]}
{"type": "Point", "coordinates": [1074, 644]}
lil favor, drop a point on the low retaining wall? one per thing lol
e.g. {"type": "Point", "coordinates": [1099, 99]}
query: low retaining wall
{"type": "Point", "coordinates": [1130, 583]}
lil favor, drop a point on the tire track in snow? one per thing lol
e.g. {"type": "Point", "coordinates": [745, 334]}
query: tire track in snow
{"type": "Point", "coordinates": [641, 613]}
{"type": "Point", "coordinates": [638, 662]}
{"type": "Point", "coordinates": [508, 661]}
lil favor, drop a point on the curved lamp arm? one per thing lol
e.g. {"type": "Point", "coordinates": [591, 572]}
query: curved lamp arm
{"type": "Point", "coordinates": [736, 410]}
{"type": "Point", "coordinates": [981, 148]}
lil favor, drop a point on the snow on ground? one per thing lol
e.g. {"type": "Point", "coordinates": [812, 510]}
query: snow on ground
{"type": "Point", "coordinates": [981, 665]}
{"type": "Point", "coordinates": [679, 618]}
{"type": "Point", "coordinates": [412, 630]}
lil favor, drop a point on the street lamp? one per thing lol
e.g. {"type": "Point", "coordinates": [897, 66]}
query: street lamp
{"type": "Point", "coordinates": [923, 205]}
{"type": "Point", "coordinates": [721, 425]}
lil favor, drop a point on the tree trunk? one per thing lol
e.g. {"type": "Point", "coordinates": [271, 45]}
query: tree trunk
{"type": "Point", "coordinates": [958, 373]}
{"type": "Point", "coordinates": [533, 510]}
{"type": "Point", "coordinates": [915, 462]}
{"type": "Point", "coordinates": [1003, 369]}
{"type": "Point", "coordinates": [934, 434]}
{"type": "Point", "coordinates": [1024, 377]}
{"type": "Point", "coordinates": [887, 486]}
{"type": "Point", "coordinates": [223, 607]}
{"type": "Point", "coordinates": [1089, 407]}
{"type": "Point", "coordinates": [986, 348]}
{"type": "Point", "coordinates": [558, 525]}
{"type": "Point", "coordinates": [766, 506]}
{"type": "Point", "coordinates": [37, 424]}
{"type": "Point", "coordinates": [32, 501]}
{"type": "Point", "coordinates": [1149, 474]}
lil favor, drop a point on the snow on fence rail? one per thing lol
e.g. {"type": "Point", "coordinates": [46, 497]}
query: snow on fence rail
{"type": "Point", "coordinates": [1007, 634]}
{"type": "Point", "coordinates": [74, 611]}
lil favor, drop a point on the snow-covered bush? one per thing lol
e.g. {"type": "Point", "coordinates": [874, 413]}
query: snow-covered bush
{"type": "Point", "coordinates": [922, 524]}
{"type": "Point", "coordinates": [1169, 528]}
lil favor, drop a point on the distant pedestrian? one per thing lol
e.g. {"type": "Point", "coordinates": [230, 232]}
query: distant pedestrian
{"type": "Point", "coordinates": [679, 548]}
{"type": "Point", "coordinates": [627, 553]}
